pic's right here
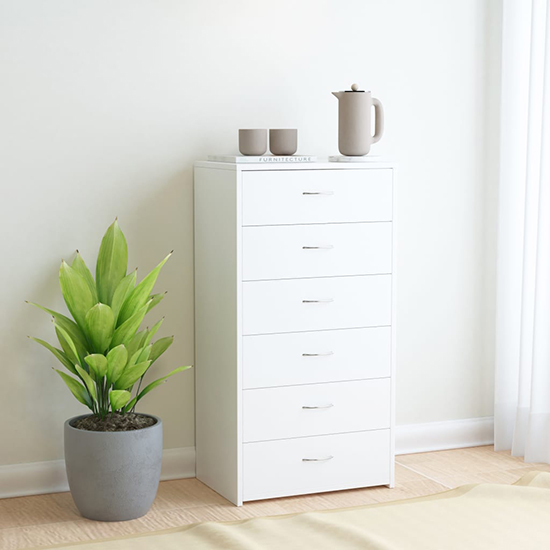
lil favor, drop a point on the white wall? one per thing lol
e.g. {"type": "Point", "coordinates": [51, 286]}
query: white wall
{"type": "Point", "coordinates": [105, 104]}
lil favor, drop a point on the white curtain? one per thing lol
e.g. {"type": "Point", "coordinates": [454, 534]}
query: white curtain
{"type": "Point", "coordinates": [522, 378]}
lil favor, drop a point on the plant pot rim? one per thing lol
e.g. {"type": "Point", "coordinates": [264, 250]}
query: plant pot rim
{"type": "Point", "coordinates": [69, 425]}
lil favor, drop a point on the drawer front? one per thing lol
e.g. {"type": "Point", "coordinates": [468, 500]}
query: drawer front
{"type": "Point", "coordinates": [316, 196]}
{"type": "Point", "coordinates": [313, 357]}
{"type": "Point", "coordinates": [316, 409]}
{"type": "Point", "coordinates": [316, 304]}
{"type": "Point", "coordinates": [324, 250]}
{"type": "Point", "coordinates": [316, 464]}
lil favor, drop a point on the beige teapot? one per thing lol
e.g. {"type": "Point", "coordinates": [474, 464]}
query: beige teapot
{"type": "Point", "coordinates": [354, 121]}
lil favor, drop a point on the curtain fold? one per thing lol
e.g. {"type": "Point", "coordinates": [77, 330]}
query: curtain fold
{"type": "Point", "coordinates": [522, 376]}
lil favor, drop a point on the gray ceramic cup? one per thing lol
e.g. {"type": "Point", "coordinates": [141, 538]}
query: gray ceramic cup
{"type": "Point", "coordinates": [283, 141]}
{"type": "Point", "coordinates": [253, 142]}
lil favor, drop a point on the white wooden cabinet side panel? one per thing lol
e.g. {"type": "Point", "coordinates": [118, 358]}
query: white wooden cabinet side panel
{"type": "Point", "coordinates": [278, 413]}
{"type": "Point", "coordinates": [316, 196]}
{"type": "Point", "coordinates": [351, 354]}
{"type": "Point", "coordinates": [393, 326]}
{"type": "Point", "coordinates": [217, 331]}
{"type": "Point", "coordinates": [322, 250]}
{"type": "Point", "coordinates": [316, 304]}
{"type": "Point", "coordinates": [276, 468]}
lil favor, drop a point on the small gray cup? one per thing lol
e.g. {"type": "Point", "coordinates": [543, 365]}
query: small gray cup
{"type": "Point", "coordinates": [283, 141]}
{"type": "Point", "coordinates": [253, 142]}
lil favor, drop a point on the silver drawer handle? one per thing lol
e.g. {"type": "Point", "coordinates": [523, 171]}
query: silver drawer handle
{"type": "Point", "coordinates": [327, 301]}
{"type": "Point", "coordinates": [322, 247]}
{"type": "Point", "coordinates": [318, 354]}
{"type": "Point", "coordinates": [326, 193]}
{"type": "Point", "coordinates": [309, 408]}
{"type": "Point", "coordinates": [326, 459]}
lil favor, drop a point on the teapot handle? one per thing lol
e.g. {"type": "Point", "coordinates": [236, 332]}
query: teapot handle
{"type": "Point", "coordinates": [379, 120]}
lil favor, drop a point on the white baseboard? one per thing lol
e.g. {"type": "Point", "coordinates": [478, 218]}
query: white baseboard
{"type": "Point", "coordinates": [178, 463]}
{"type": "Point", "coordinates": [37, 478]}
{"type": "Point", "coordinates": [439, 436]}
{"type": "Point", "coordinates": [33, 478]}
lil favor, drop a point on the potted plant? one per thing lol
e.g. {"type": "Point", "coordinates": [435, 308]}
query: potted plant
{"type": "Point", "coordinates": [113, 454]}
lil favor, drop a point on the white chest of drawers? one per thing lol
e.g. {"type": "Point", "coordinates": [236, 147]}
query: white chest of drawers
{"type": "Point", "coordinates": [294, 327]}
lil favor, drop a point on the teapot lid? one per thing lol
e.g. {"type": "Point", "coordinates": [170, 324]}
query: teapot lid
{"type": "Point", "coordinates": [355, 88]}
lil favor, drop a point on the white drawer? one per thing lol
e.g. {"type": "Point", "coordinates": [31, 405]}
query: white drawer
{"type": "Point", "coordinates": [316, 304]}
{"type": "Point", "coordinates": [277, 468]}
{"type": "Point", "coordinates": [316, 196]}
{"type": "Point", "coordinates": [316, 409]}
{"type": "Point", "coordinates": [323, 250]}
{"type": "Point", "coordinates": [313, 357]}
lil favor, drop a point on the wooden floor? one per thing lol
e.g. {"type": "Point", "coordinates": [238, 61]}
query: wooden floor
{"type": "Point", "coordinates": [43, 520]}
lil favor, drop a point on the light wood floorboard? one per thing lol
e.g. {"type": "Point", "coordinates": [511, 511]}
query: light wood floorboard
{"type": "Point", "coordinates": [28, 522]}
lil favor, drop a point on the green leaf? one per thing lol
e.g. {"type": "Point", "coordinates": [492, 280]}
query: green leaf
{"type": "Point", "coordinates": [125, 332]}
{"type": "Point", "coordinates": [131, 375]}
{"type": "Point", "coordinates": [119, 398]}
{"type": "Point", "coordinates": [152, 332]}
{"type": "Point", "coordinates": [155, 299]}
{"type": "Point", "coordinates": [141, 293]}
{"type": "Point", "coordinates": [158, 382]}
{"type": "Point", "coordinates": [112, 262]}
{"type": "Point", "coordinates": [116, 361]}
{"type": "Point", "coordinates": [133, 360]}
{"type": "Point", "coordinates": [61, 357]}
{"type": "Point", "coordinates": [68, 325]}
{"type": "Point", "coordinates": [144, 354]}
{"type": "Point", "coordinates": [139, 356]}
{"type": "Point", "coordinates": [82, 269]}
{"type": "Point", "coordinates": [160, 346]}
{"type": "Point", "coordinates": [98, 365]}
{"type": "Point", "coordinates": [77, 389]}
{"type": "Point", "coordinates": [68, 345]}
{"type": "Point", "coordinates": [123, 290]}
{"type": "Point", "coordinates": [137, 342]}
{"type": "Point", "coordinates": [76, 293]}
{"type": "Point", "coordinates": [100, 324]}
{"type": "Point", "coordinates": [87, 379]}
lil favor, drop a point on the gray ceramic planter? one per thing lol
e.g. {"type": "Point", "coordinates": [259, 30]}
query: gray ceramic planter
{"type": "Point", "coordinates": [113, 476]}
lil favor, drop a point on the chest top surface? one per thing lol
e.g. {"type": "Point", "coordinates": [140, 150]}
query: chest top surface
{"type": "Point", "coordinates": [370, 164]}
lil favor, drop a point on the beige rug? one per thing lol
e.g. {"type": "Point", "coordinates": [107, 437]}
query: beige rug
{"type": "Point", "coordinates": [472, 517]}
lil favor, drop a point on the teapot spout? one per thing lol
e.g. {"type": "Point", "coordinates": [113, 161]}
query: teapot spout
{"type": "Point", "coordinates": [338, 94]}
